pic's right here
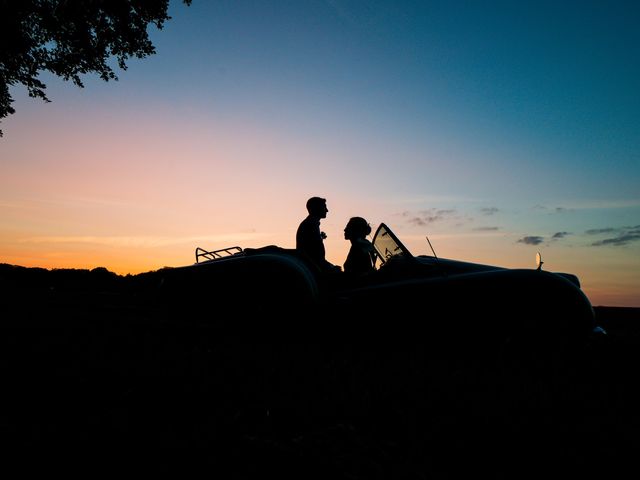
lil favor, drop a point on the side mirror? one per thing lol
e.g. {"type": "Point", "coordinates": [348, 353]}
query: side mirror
{"type": "Point", "coordinates": [539, 261]}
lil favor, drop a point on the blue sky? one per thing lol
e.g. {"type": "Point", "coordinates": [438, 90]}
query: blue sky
{"type": "Point", "coordinates": [481, 124]}
{"type": "Point", "coordinates": [542, 95]}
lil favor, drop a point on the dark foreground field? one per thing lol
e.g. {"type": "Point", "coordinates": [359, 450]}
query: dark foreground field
{"type": "Point", "coordinates": [94, 361]}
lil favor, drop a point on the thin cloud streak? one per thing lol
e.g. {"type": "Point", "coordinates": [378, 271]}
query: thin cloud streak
{"type": "Point", "coordinates": [618, 241]}
{"type": "Point", "coordinates": [551, 210]}
{"type": "Point", "coordinates": [623, 236]}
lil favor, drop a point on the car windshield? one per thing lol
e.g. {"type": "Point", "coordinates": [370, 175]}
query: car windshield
{"type": "Point", "coordinates": [387, 244]}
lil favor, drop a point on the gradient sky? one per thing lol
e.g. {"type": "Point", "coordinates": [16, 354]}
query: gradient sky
{"type": "Point", "coordinates": [499, 129]}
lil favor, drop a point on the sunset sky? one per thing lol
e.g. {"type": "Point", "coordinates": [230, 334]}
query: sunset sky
{"type": "Point", "coordinates": [498, 129]}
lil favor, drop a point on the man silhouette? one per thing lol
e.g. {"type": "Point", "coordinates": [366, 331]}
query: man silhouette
{"type": "Point", "coordinates": [309, 238]}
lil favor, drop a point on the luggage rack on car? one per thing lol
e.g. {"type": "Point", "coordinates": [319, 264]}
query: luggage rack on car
{"type": "Point", "coordinates": [215, 254]}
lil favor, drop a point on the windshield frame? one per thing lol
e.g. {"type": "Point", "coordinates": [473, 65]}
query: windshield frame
{"type": "Point", "coordinates": [382, 251]}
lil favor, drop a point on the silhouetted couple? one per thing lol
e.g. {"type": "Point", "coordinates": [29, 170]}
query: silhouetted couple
{"type": "Point", "coordinates": [310, 241]}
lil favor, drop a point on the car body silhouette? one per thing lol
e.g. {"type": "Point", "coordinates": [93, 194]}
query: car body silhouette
{"type": "Point", "coordinates": [272, 288]}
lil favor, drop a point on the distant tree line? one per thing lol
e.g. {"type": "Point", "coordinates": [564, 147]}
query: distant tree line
{"type": "Point", "coordinates": [69, 38]}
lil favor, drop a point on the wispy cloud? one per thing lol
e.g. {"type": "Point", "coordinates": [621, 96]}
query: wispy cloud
{"type": "Point", "coordinates": [417, 221]}
{"type": "Point", "coordinates": [617, 236]}
{"type": "Point", "coordinates": [551, 210]}
{"type": "Point", "coordinates": [486, 229]}
{"type": "Point", "coordinates": [559, 235]}
{"type": "Point", "coordinates": [597, 231]}
{"type": "Point", "coordinates": [429, 216]}
{"type": "Point", "coordinates": [619, 240]}
{"type": "Point", "coordinates": [489, 210]}
{"type": "Point", "coordinates": [531, 240]}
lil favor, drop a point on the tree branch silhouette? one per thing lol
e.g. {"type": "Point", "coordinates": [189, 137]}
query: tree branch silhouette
{"type": "Point", "coordinates": [69, 38]}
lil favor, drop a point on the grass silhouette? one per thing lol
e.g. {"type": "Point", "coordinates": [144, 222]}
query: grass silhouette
{"type": "Point", "coordinates": [93, 358]}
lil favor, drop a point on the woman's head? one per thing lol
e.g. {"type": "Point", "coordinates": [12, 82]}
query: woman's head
{"type": "Point", "coordinates": [357, 227]}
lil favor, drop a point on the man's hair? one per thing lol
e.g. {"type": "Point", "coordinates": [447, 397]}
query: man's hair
{"type": "Point", "coordinates": [315, 203]}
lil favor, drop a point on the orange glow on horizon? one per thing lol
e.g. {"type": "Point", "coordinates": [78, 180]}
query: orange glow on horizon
{"type": "Point", "coordinates": [133, 200]}
{"type": "Point", "coordinates": [132, 255]}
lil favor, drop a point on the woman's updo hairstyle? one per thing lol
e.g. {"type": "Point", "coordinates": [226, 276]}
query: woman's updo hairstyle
{"type": "Point", "coordinates": [357, 227]}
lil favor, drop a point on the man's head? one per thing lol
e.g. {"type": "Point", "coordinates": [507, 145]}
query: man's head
{"type": "Point", "coordinates": [317, 207]}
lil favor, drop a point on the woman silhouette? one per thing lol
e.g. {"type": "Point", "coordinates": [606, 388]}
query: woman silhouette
{"type": "Point", "coordinates": [360, 259]}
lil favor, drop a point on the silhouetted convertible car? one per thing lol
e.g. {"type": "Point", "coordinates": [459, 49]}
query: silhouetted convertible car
{"type": "Point", "coordinates": [271, 287]}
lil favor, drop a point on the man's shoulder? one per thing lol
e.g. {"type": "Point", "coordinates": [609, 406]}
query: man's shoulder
{"type": "Point", "coordinates": [309, 223]}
